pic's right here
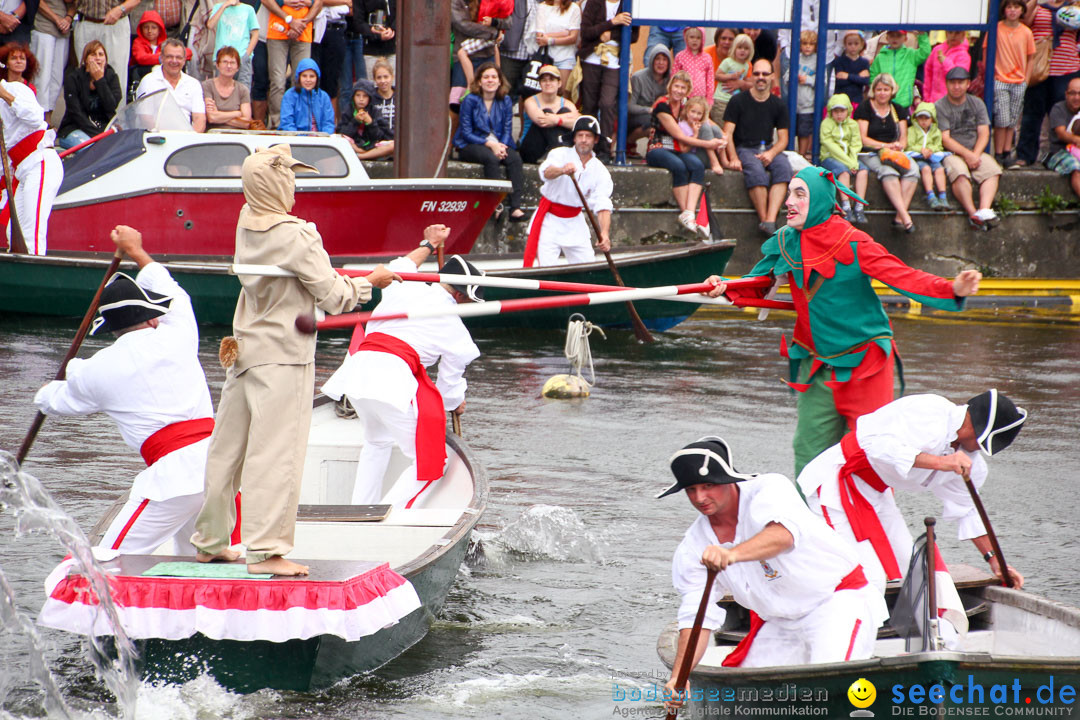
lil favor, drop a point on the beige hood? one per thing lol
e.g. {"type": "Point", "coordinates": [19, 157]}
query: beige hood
{"type": "Point", "coordinates": [269, 181]}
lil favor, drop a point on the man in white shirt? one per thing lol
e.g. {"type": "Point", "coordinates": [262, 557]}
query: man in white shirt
{"type": "Point", "coordinates": [151, 383]}
{"type": "Point", "coordinates": [386, 379]}
{"type": "Point", "coordinates": [559, 225]}
{"type": "Point", "coordinates": [35, 165]}
{"type": "Point", "coordinates": [808, 597]}
{"type": "Point", "coordinates": [918, 443]}
{"type": "Point", "coordinates": [186, 90]}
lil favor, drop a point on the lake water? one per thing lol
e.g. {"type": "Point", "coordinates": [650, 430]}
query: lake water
{"type": "Point", "coordinates": [568, 584]}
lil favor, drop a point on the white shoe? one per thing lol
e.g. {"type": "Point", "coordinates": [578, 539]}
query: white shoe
{"type": "Point", "coordinates": [686, 219]}
{"type": "Point", "coordinates": [987, 215]}
{"type": "Point", "coordinates": [703, 232]}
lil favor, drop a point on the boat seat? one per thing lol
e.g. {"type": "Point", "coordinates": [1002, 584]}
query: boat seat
{"type": "Point", "coordinates": [342, 513]}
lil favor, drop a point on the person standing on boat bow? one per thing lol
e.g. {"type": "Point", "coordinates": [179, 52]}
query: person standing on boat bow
{"type": "Point", "coordinates": [386, 380]}
{"type": "Point", "coordinates": [36, 167]}
{"type": "Point", "coordinates": [808, 598]}
{"type": "Point", "coordinates": [264, 414]}
{"type": "Point", "coordinates": [919, 443]}
{"type": "Point", "coordinates": [151, 383]}
{"type": "Point", "coordinates": [843, 352]}
{"type": "Point", "coordinates": [559, 225]}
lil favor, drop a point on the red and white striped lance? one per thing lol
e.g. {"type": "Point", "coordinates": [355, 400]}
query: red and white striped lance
{"type": "Point", "coordinates": [529, 284]}
{"type": "Point", "coordinates": [306, 323]}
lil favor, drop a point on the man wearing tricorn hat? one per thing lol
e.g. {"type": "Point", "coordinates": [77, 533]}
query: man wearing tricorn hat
{"type": "Point", "coordinates": [809, 600]}
{"type": "Point", "coordinates": [265, 408]}
{"type": "Point", "coordinates": [559, 225]}
{"type": "Point", "coordinates": [921, 443]}
{"type": "Point", "coordinates": [386, 380]}
{"type": "Point", "coordinates": [151, 383]}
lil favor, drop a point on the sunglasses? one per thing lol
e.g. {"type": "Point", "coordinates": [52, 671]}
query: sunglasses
{"type": "Point", "coordinates": [762, 74]}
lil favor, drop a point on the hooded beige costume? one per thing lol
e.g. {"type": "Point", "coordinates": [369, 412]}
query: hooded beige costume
{"type": "Point", "coordinates": [260, 438]}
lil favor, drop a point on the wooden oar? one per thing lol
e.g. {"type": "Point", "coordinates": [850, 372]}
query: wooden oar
{"type": "Point", "coordinates": [687, 665]}
{"type": "Point", "coordinates": [518, 283]}
{"type": "Point", "coordinates": [455, 423]}
{"type": "Point", "coordinates": [640, 331]}
{"type": "Point", "coordinates": [307, 324]}
{"type": "Point", "coordinates": [75, 345]}
{"type": "Point", "coordinates": [18, 242]}
{"type": "Point", "coordinates": [931, 582]}
{"type": "Point", "coordinates": [1006, 578]}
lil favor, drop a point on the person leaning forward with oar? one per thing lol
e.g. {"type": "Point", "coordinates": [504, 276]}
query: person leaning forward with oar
{"type": "Point", "coordinates": [809, 599]}
{"type": "Point", "coordinates": [264, 414]}
{"type": "Point", "coordinates": [559, 226]}
{"type": "Point", "coordinates": [842, 351]}
{"type": "Point", "coordinates": [919, 443]}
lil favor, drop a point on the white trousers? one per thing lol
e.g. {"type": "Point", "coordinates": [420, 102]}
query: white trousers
{"type": "Point", "coordinates": [142, 525]}
{"type": "Point", "coordinates": [39, 179]}
{"type": "Point", "coordinates": [384, 427]}
{"type": "Point", "coordinates": [117, 41]}
{"type": "Point", "coordinates": [565, 236]}
{"type": "Point", "coordinates": [841, 628]}
{"type": "Point", "coordinates": [52, 54]}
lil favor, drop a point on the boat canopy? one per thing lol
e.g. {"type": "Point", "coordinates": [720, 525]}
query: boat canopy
{"type": "Point", "coordinates": [105, 155]}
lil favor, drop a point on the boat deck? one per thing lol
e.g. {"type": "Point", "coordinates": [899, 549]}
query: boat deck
{"type": "Point", "coordinates": [322, 571]}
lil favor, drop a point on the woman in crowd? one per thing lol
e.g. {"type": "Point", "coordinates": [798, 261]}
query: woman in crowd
{"type": "Point", "coordinates": [721, 47]}
{"type": "Point", "coordinates": [558, 24]}
{"type": "Point", "coordinates": [485, 132]}
{"type": "Point", "coordinates": [228, 103]}
{"type": "Point", "coordinates": [19, 64]}
{"type": "Point", "coordinates": [883, 126]}
{"type": "Point", "coordinates": [687, 170]}
{"type": "Point", "coordinates": [91, 94]}
{"type": "Point", "coordinates": [549, 118]}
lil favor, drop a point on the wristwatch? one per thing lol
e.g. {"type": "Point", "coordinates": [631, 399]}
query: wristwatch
{"type": "Point", "coordinates": [426, 243]}
{"type": "Point", "coordinates": [988, 555]}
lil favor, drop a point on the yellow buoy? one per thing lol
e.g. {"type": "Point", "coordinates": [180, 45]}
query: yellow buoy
{"type": "Point", "coordinates": [564, 387]}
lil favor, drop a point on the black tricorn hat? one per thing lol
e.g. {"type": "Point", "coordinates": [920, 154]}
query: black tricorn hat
{"type": "Point", "coordinates": [124, 303]}
{"type": "Point", "coordinates": [587, 122]}
{"type": "Point", "coordinates": [457, 265]}
{"type": "Point", "coordinates": [997, 421]}
{"type": "Point", "coordinates": [707, 460]}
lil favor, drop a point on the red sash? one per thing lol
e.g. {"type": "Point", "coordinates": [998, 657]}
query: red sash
{"type": "Point", "coordinates": [852, 581]}
{"type": "Point", "coordinates": [545, 207]}
{"type": "Point", "coordinates": [430, 422]}
{"type": "Point", "coordinates": [175, 436]}
{"type": "Point", "coordinates": [865, 523]}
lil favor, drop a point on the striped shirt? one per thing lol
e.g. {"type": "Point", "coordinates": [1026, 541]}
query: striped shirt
{"type": "Point", "coordinates": [1064, 59]}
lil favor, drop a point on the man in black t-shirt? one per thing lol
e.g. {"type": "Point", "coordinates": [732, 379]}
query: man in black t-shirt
{"type": "Point", "coordinates": [750, 120]}
{"type": "Point", "coordinates": [1064, 132]}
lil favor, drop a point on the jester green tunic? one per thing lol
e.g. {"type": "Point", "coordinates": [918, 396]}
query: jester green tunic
{"type": "Point", "coordinates": [840, 326]}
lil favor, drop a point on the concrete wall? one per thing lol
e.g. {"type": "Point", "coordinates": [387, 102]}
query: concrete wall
{"type": "Point", "coordinates": [1027, 243]}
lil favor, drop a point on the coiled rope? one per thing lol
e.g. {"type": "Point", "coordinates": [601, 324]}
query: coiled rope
{"type": "Point", "coordinates": [577, 348]}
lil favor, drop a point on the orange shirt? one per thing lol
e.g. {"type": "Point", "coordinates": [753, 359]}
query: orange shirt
{"type": "Point", "coordinates": [711, 52]}
{"type": "Point", "coordinates": [1014, 49]}
{"type": "Point", "coordinates": [278, 30]}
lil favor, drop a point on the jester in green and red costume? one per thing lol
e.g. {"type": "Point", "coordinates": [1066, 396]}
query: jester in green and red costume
{"type": "Point", "coordinates": [842, 352]}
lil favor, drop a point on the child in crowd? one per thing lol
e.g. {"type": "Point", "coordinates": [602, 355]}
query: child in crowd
{"type": "Point", "coordinates": [476, 51]}
{"type": "Point", "coordinates": [305, 107]}
{"type": "Point", "coordinates": [146, 47]}
{"type": "Point", "coordinates": [852, 70]}
{"type": "Point", "coordinates": [733, 74]}
{"type": "Point", "coordinates": [235, 25]}
{"type": "Point", "coordinates": [840, 144]}
{"type": "Point", "coordinates": [1015, 48]}
{"type": "Point", "coordinates": [364, 126]}
{"type": "Point", "coordinates": [925, 148]}
{"type": "Point", "coordinates": [694, 61]}
{"type": "Point", "coordinates": [694, 122]}
{"type": "Point", "coordinates": [901, 62]}
{"type": "Point", "coordinates": [804, 100]}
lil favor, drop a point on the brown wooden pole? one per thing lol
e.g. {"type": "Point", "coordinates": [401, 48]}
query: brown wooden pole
{"type": "Point", "coordinates": [423, 86]}
{"type": "Point", "coordinates": [931, 579]}
{"type": "Point", "coordinates": [31, 435]}
{"type": "Point", "coordinates": [640, 331]}
{"type": "Point", "coordinates": [691, 642]}
{"type": "Point", "coordinates": [1006, 578]}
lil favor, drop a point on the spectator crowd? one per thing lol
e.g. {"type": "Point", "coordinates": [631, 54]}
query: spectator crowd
{"type": "Point", "coordinates": [900, 107]}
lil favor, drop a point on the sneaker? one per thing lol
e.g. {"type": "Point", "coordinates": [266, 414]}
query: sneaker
{"type": "Point", "coordinates": [932, 201]}
{"type": "Point", "coordinates": [976, 222]}
{"type": "Point", "coordinates": [768, 228]}
{"type": "Point", "coordinates": [859, 215]}
{"type": "Point", "coordinates": [704, 232]}
{"type": "Point", "coordinates": [988, 217]}
{"type": "Point", "coordinates": [943, 203]}
{"type": "Point", "coordinates": [688, 221]}
{"type": "Point", "coordinates": [1008, 160]}
{"type": "Point", "coordinates": [845, 212]}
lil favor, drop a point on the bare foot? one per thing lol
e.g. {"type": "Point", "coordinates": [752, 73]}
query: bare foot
{"type": "Point", "coordinates": [226, 555]}
{"type": "Point", "coordinates": [278, 566]}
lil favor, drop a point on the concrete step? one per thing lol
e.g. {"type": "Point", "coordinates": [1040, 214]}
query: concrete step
{"type": "Point", "coordinates": [1027, 243]}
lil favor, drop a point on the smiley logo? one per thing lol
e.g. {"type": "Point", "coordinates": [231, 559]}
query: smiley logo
{"type": "Point", "coordinates": [862, 693]}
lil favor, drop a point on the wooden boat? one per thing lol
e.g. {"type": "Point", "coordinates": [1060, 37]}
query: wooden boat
{"type": "Point", "coordinates": [63, 285]}
{"type": "Point", "coordinates": [425, 544]}
{"type": "Point", "coordinates": [1022, 650]}
{"type": "Point", "coordinates": [182, 190]}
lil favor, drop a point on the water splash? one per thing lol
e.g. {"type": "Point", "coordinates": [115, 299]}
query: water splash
{"type": "Point", "coordinates": [113, 656]}
{"type": "Point", "coordinates": [541, 532]}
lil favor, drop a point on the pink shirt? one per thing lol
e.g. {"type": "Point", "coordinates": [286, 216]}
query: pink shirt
{"type": "Point", "coordinates": [934, 71]}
